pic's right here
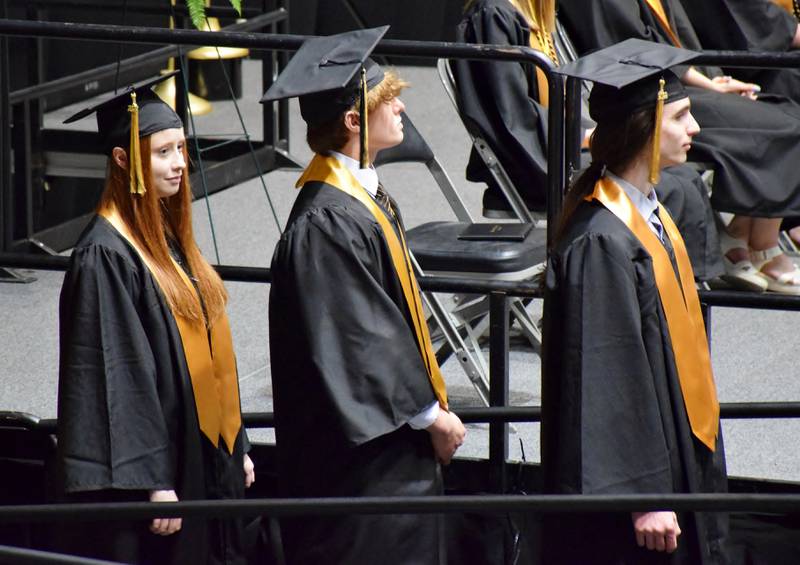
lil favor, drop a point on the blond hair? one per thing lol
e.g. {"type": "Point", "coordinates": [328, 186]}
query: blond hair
{"type": "Point", "coordinates": [539, 13]}
{"type": "Point", "coordinates": [332, 135]}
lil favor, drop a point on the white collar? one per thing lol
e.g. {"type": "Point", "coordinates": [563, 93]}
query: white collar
{"type": "Point", "coordinates": [645, 204]}
{"type": "Point", "coordinates": [367, 178]}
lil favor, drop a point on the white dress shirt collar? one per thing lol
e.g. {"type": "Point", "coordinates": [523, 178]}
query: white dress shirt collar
{"type": "Point", "coordinates": [645, 204]}
{"type": "Point", "coordinates": [368, 178]}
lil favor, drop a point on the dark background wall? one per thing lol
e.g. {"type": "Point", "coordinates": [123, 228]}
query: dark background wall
{"type": "Point", "coordinates": [432, 20]}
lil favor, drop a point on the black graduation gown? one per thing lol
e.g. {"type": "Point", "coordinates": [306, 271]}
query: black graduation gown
{"type": "Point", "coordinates": [347, 375]}
{"type": "Point", "coordinates": [614, 420]}
{"type": "Point", "coordinates": [753, 145]}
{"type": "Point", "coordinates": [127, 421]}
{"type": "Point", "coordinates": [501, 99]}
{"type": "Point", "coordinates": [748, 25]}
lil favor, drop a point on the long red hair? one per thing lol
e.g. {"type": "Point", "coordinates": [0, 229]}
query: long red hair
{"type": "Point", "coordinates": [151, 220]}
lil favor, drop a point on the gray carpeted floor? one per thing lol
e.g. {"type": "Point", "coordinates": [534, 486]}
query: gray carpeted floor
{"type": "Point", "coordinates": [754, 353]}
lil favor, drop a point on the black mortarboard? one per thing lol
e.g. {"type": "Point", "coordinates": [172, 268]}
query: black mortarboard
{"type": "Point", "coordinates": [626, 76]}
{"type": "Point", "coordinates": [126, 117]}
{"type": "Point", "coordinates": [630, 76]}
{"type": "Point", "coordinates": [114, 118]}
{"type": "Point", "coordinates": [328, 74]}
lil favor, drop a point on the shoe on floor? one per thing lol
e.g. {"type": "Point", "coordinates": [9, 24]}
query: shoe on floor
{"type": "Point", "coordinates": [785, 283]}
{"type": "Point", "coordinates": [742, 275]}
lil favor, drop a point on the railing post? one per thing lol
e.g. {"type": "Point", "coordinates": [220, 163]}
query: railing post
{"type": "Point", "coordinates": [498, 388]}
{"type": "Point", "coordinates": [705, 309]}
{"type": "Point", "coordinates": [572, 143]}
{"type": "Point", "coordinates": [6, 202]}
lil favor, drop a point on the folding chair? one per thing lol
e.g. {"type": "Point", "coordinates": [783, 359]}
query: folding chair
{"type": "Point", "coordinates": [437, 250]}
{"type": "Point", "coordinates": [483, 149]}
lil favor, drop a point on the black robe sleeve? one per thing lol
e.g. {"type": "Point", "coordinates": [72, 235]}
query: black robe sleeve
{"type": "Point", "coordinates": [501, 100]}
{"type": "Point", "coordinates": [112, 433]}
{"type": "Point", "coordinates": [602, 430]}
{"type": "Point", "coordinates": [346, 368]}
{"type": "Point", "coordinates": [601, 23]}
{"type": "Point", "coordinates": [758, 25]}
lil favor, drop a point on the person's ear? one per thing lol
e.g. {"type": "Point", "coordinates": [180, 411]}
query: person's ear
{"type": "Point", "coordinates": [352, 121]}
{"type": "Point", "coordinates": [120, 157]}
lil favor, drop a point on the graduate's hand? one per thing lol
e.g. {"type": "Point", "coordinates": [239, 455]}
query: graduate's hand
{"type": "Point", "coordinates": [164, 526]}
{"type": "Point", "coordinates": [656, 530]}
{"type": "Point", "coordinates": [447, 435]}
{"type": "Point", "coordinates": [728, 84]}
{"type": "Point", "coordinates": [249, 471]}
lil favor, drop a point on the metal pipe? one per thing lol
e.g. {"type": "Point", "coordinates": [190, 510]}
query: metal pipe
{"type": "Point", "coordinates": [142, 8]}
{"type": "Point", "coordinates": [281, 42]}
{"type": "Point", "coordinates": [22, 555]}
{"type": "Point", "coordinates": [6, 190]}
{"type": "Point", "coordinates": [555, 155]}
{"type": "Point", "coordinates": [482, 504]}
{"type": "Point", "coordinates": [234, 273]}
{"type": "Point", "coordinates": [499, 322]}
{"type": "Point", "coordinates": [254, 420]}
{"type": "Point", "coordinates": [572, 135]}
{"type": "Point", "coordinates": [746, 59]}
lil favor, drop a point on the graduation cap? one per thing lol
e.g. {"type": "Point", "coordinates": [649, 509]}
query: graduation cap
{"type": "Point", "coordinates": [329, 75]}
{"type": "Point", "coordinates": [124, 118]}
{"type": "Point", "coordinates": [631, 76]}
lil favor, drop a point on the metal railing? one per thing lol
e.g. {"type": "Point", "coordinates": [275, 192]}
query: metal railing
{"type": "Point", "coordinates": [498, 416]}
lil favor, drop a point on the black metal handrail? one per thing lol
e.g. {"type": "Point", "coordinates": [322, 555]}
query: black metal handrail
{"type": "Point", "coordinates": [492, 414]}
{"type": "Point", "coordinates": [449, 504]}
{"type": "Point", "coordinates": [140, 7]}
{"type": "Point", "coordinates": [236, 273]}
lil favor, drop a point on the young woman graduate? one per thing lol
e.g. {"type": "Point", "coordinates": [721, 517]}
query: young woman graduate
{"type": "Point", "coordinates": [148, 395]}
{"type": "Point", "coordinates": [508, 102]}
{"type": "Point", "coordinates": [360, 404]}
{"type": "Point", "coordinates": [628, 397]}
{"type": "Point", "coordinates": [750, 138]}
{"type": "Point", "coordinates": [751, 25]}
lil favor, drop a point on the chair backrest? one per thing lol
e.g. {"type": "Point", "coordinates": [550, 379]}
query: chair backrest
{"type": "Point", "coordinates": [483, 149]}
{"type": "Point", "coordinates": [414, 149]}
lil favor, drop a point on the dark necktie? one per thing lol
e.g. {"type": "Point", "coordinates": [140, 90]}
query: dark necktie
{"type": "Point", "coordinates": [384, 200]}
{"type": "Point", "coordinates": [664, 238]}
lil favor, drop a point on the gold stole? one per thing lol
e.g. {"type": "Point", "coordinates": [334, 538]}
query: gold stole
{"type": "Point", "coordinates": [661, 15]}
{"type": "Point", "coordinates": [541, 79]}
{"type": "Point", "coordinates": [681, 308]}
{"type": "Point", "coordinates": [330, 171]}
{"type": "Point", "coordinates": [787, 5]}
{"type": "Point", "coordinates": [212, 365]}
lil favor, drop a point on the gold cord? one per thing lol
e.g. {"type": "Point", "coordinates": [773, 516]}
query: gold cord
{"type": "Point", "coordinates": [135, 157]}
{"type": "Point", "coordinates": [655, 160]}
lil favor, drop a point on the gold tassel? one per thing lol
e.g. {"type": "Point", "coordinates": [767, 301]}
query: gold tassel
{"type": "Point", "coordinates": [655, 161]}
{"type": "Point", "coordinates": [362, 110]}
{"type": "Point", "coordinates": [135, 157]}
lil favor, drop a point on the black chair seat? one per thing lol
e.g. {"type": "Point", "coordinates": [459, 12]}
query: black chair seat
{"type": "Point", "coordinates": [437, 248]}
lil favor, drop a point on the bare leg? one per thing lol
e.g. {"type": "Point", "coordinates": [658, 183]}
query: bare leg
{"type": "Point", "coordinates": [739, 228]}
{"type": "Point", "coordinates": [764, 235]}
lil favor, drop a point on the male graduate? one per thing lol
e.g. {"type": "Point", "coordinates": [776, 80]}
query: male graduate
{"type": "Point", "coordinates": [360, 404]}
{"type": "Point", "coordinates": [629, 403]}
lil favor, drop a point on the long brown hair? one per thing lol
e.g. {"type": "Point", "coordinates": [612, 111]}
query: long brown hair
{"type": "Point", "coordinates": [150, 220]}
{"type": "Point", "coordinates": [614, 144]}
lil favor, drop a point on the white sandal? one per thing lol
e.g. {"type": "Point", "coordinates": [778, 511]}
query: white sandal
{"type": "Point", "coordinates": [742, 274]}
{"type": "Point", "coordinates": [786, 283]}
